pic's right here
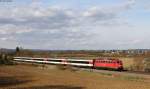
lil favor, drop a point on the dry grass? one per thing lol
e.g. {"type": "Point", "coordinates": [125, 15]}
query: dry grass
{"type": "Point", "coordinates": [127, 63]}
{"type": "Point", "coordinates": [29, 77]}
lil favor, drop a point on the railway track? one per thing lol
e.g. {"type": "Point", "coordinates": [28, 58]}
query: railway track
{"type": "Point", "coordinates": [122, 73]}
{"type": "Point", "coordinates": [139, 72]}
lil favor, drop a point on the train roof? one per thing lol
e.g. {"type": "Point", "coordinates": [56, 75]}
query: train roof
{"type": "Point", "coordinates": [112, 59]}
{"type": "Point", "coordinates": [78, 60]}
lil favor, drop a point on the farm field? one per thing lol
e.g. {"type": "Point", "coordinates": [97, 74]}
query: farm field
{"type": "Point", "coordinates": [33, 77]}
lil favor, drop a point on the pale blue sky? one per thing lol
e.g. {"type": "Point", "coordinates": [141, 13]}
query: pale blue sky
{"type": "Point", "coordinates": [75, 24]}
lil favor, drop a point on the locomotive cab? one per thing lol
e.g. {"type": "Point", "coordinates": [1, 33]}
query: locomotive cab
{"type": "Point", "coordinates": [119, 65]}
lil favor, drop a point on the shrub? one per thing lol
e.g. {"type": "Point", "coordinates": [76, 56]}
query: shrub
{"type": "Point", "coordinates": [146, 63]}
{"type": "Point", "coordinates": [6, 60]}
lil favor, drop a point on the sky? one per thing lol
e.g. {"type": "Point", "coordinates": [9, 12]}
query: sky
{"type": "Point", "coordinates": [75, 24]}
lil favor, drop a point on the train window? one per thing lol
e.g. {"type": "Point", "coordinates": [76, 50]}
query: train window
{"type": "Point", "coordinates": [120, 62]}
{"type": "Point", "coordinates": [23, 58]}
{"type": "Point", "coordinates": [48, 60]}
{"type": "Point", "coordinates": [98, 61]}
{"type": "Point", "coordinates": [84, 62]}
{"type": "Point", "coordinates": [56, 60]}
{"type": "Point", "coordinates": [39, 59]}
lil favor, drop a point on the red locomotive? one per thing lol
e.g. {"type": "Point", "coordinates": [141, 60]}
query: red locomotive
{"type": "Point", "coordinates": [108, 63]}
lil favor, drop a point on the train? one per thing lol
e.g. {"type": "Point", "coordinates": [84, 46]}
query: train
{"type": "Point", "coordinates": [102, 63]}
